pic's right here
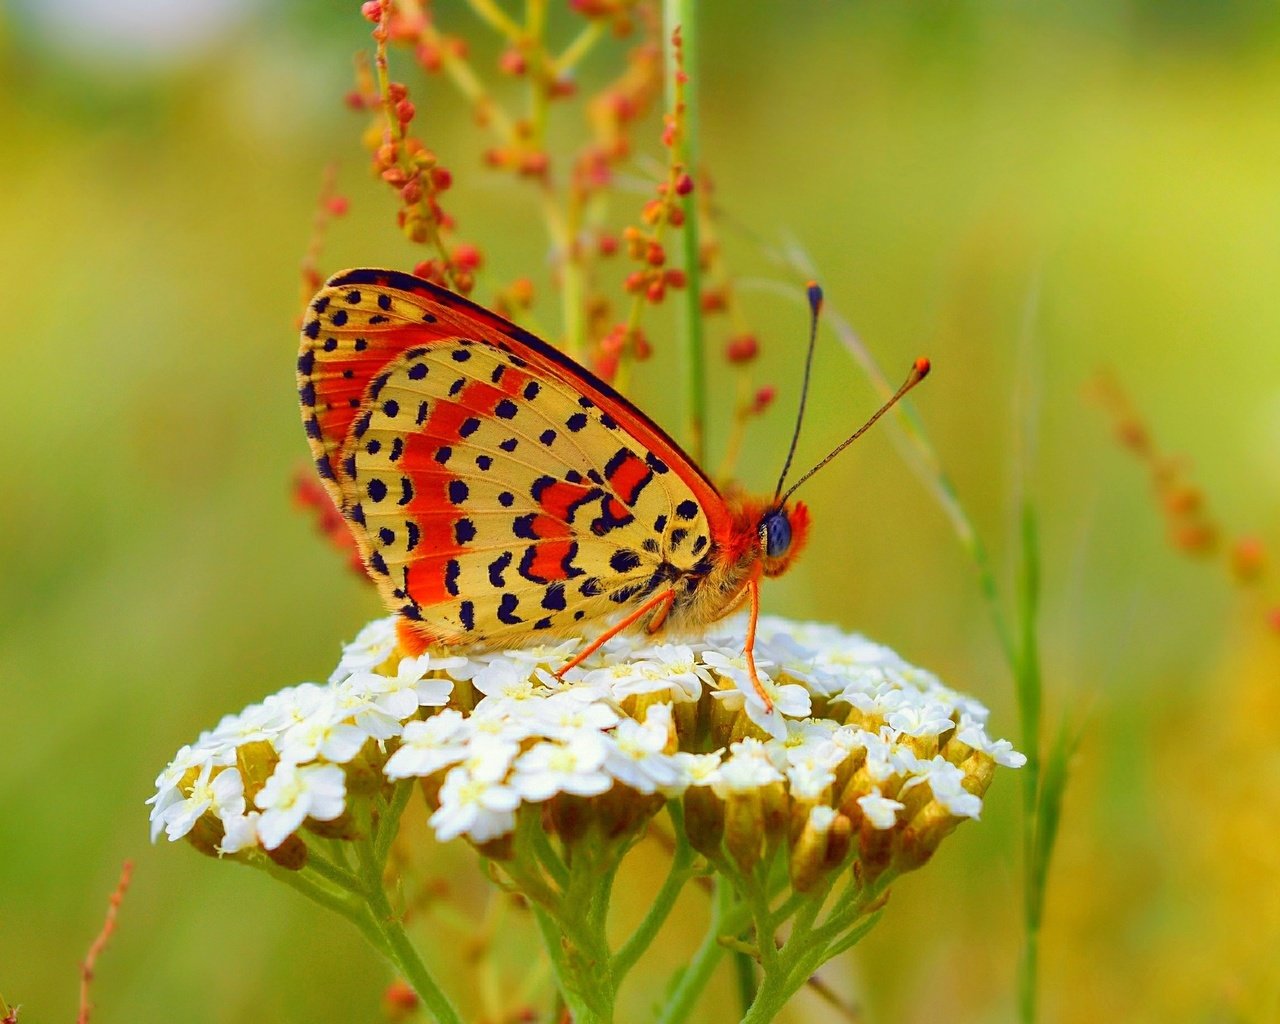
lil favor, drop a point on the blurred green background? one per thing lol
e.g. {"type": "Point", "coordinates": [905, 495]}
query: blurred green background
{"type": "Point", "coordinates": [941, 164]}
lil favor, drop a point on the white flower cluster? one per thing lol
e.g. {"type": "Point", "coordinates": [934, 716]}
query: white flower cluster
{"type": "Point", "coordinates": [499, 729]}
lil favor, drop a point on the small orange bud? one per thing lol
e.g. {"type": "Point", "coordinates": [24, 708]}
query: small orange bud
{"type": "Point", "coordinates": [521, 292]}
{"type": "Point", "coordinates": [1248, 558]}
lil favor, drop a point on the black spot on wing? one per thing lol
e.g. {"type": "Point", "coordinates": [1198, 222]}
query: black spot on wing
{"type": "Point", "coordinates": [497, 567]}
{"type": "Point", "coordinates": [553, 598]}
{"type": "Point", "coordinates": [624, 560]}
{"type": "Point", "coordinates": [507, 610]}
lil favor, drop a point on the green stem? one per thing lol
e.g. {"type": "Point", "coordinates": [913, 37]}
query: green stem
{"type": "Point", "coordinates": [726, 918]}
{"type": "Point", "coordinates": [683, 14]}
{"type": "Point", "coordinates": [396, 945]}
{"type": "Point", "coordinates": [663, 902]}
{"type": "Point", "coordinates": [389, 823]}
{"type": "Point", "coordinates": [1027, 670]}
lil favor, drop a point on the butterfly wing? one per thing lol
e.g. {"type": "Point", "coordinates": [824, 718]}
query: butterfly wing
{"type": "Point", "coordinates": [493, 486]}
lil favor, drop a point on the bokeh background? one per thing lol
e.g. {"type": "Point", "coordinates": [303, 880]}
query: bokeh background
{"type": "Point", "coordinates": [1024, 192]}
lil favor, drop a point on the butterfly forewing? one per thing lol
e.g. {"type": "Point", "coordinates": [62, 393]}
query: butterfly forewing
{"type": "Point", "coordinates": [494, 487]}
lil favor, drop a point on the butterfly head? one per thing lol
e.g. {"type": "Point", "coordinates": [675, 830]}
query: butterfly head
{"type": "Point", "coordinates": [781, 533]}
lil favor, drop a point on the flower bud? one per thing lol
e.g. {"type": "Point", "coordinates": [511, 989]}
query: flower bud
{"type": "Point", "coordinates": [809, 852]}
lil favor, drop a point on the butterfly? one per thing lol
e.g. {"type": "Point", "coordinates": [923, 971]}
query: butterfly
{"type": "Point", "coordinates": [498, 492]}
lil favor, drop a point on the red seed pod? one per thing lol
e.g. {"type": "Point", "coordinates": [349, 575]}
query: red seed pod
{"type": "Point", "coordinates": [512, 62]}
{"type": "Point", "coordinates": [714, 300]}
{"type": "Point", "coordinates": [674, 277]}
{"type": "Point", "coordinates": [354, 100]}
{"type": "Point", "coordinates": [562, 88]}
{"type": "Point", "coordinates": [399, 1001]}
{"type": "Point", "coordinates": [338, 205]}
{"type": "Point", "coordinates": [655, 255]}
{"type": "Point", "coordinates": [385, 155]}
{"type": "Point", "coordinates": [763, 399]}
{"type": "Point", "coordinates": [394, 176]}
{"type": "Point", "coordinates": [412, 190]}
{"type": "Point", "coordinates": [684, 185]}
{"type": "Point", "coordinates": [397, 91]}
{"type": "Point", "coordinates": [614, 341]}
{"type": "Point", "coordinates": [405, 27]}
{"type": "Point", "coordinates": [534, 165]}
{"type": "Point", "coordinates": [656, 290]}
{"type": "Point", "coordinates": [742, 349]}
{"type": "Point", "coordinates": [675, 216]}
{"type": "Point", "coordinates": [635, 281]}
{"type": "Point", "coordinates": [607, 244]}
{"type": "Point", "coordinates": [441, 178]}
{"type": "Point", "coordinates": [371, 10]}
{"type": "Point", "coordinates": [466, 257]}
{"type": "Point", "coordinates": [405, 111]}
{"type": "Point", "coordinates": [429, 57]}
{"type": "Point", "coordinates": [464, 281]}
{"type": "Point", "coordinates": [605, 365]}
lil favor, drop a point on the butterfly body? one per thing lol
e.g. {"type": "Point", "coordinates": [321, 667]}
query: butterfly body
{"type": "Point", "coordinates": [498, 492]}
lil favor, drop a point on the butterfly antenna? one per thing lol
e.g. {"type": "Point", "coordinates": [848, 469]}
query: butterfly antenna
{"type": "Point", "coordinates": [814, 294]}
{"type": "Point", "coordinates": [919, 370]}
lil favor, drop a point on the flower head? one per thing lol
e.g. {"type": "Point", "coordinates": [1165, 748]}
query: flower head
{"type": "Point", "coordinates": [855, 738]}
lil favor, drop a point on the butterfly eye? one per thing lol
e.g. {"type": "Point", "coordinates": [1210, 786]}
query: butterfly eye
{"type": "Point", "coordinates": [776, 530]}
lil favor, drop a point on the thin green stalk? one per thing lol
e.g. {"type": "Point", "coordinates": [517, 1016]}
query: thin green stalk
{"type": "Point", "coordinates": [327, 897]}
{"type": "Point", "coordinates": [550, 859]}
{"type": "Point", "coordinates": [726, 918]}
{"type": "Point", "coordinates": [680, 873]}
{"type": "Point", "coordinates": [684, 15]}
{"type": "Point", "coordinates": [396, 945]}
{"type": "Point", "coordinates": [389, 823]}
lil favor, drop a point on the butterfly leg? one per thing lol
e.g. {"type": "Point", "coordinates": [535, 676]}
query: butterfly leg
{"type": "Point", "coordinates": [659, 604]}
{"type": "Point", "coordinates": [753, 594]}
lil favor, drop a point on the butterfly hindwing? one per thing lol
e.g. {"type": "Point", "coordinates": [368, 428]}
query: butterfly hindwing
{"type": "Point", "coordinates": [495, 488]}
